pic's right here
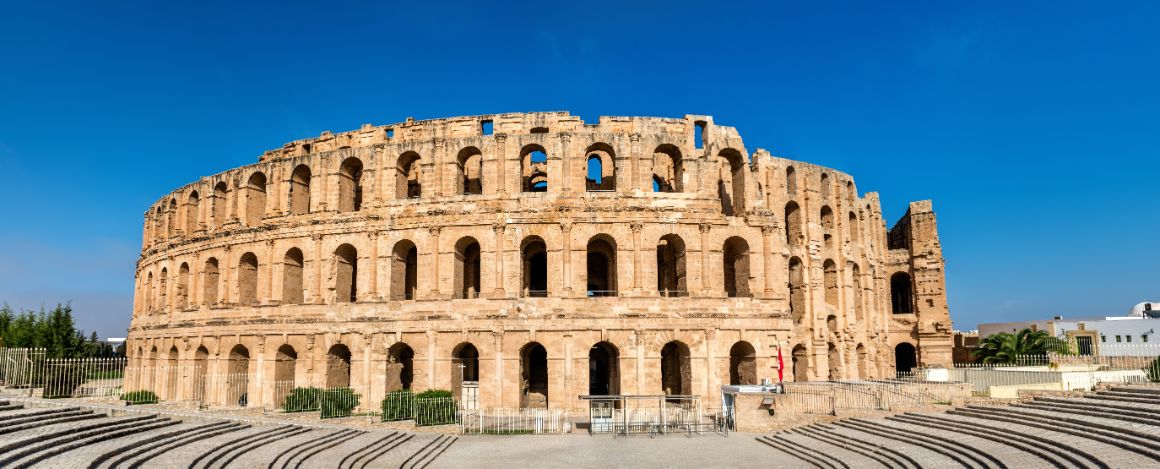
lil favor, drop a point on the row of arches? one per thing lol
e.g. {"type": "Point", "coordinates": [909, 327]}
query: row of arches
{"type": "Point", "coordinates": [905, 359]}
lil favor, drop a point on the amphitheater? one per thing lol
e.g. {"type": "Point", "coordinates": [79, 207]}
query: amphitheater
{"type": "Point", "coordinates": [523, 260]}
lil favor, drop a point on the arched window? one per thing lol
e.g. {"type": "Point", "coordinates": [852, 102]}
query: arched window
{"type": "Point", "coordinates": [863, 362]}
{"type": "Point", "coordinates": [905, 358]}
{"type": "Point", "coordinates": [171, 374]}
{"type": "Point", "coordinates": [601, 266]}
{"type": "Point", "coordinates": [467, 269]}
{"type": "Point", "coordinates": [797, 290]}
{"type": "Point", "coordinates": [790, 181]}
{"type": "Point", "coordinates": [801, 366]}
{"type": "Point", "coordinates": [667, 169]}
{"type": "Point", "coordinates": [158, 224]}
{"type": "Point", "coordinates": [534, 169]}
{"type": "Point", "coordinates": [676, 373]}
{"type": "Point", "coordinates": [469, 165]}
{"type": "Point", "coordinates": [824, 188]}
{"type": "Point", "coordinates": [603, 370]}
{"type": "Point", "coordinates": [149, 303]}
{"type": "Point", "coordinates": [400, 367]}
{"type": "Point", "coordinates": [857, 283]}
{"type": "Point", "coordinates": [183, 287]}
{"type": "Point", "coordinates": [731, 181]}
{"type": "Point", "coordinates": [404, 270]}
{"type": "Point", "coordinates": [851, 195]}
{"type": "Point", "coordinates": [534, 376]}
{"type": "Point", "coordinates": [292, 267]}
{"type": "Point", "coordinates": [833, 356]}
{"type": "Point", "coordinates": [901, 293]}
{"type": "Point", "coordinates": [408, 176]}
{"type": "Point", "coordinates": [248, 279]}
{"type": "Point", "coordinates": [238, 376]}
{"type": "Point", "coordinates": [853, 226]}
{"type": "Point", "coordinates": [465, 374]}
{"type": "Point", "coordinates": [171, 219]}
{"type": "Point", "coordinates": [346, 274]}
{"type": "Point", "coordinates": [671, 277]}
{"type": "Point", "coordinates": [163, 291]}
{"type": "Point", "coordinates": [600, 174]}
{"type": "Point", "coordinates": [742, 364]}
{"type": "Point", "coordinates": [220, 204]}
{"type": "Point", "coordinates": [200, 367]}
{"type": "Point", "coordinates": [830, 279]}
{"type": "Point", "coordinates": [191, 210]}
{"type": "Point", "coordinates": [255, 199]}
{"type": "Point", "coordinates": [338, 367]}
{"type": "Point", "coordinates": [735, 254]}
{"type": "Point", "coordinates": [350, 185]}
{"type": "Point", "coordinates": [285, 362]}
{"type": "Point", "coordinates": [793, 224]}
{"type": "Point", "coordinates": [210, 279]}
{"type": "Point", "coordinates": [827, 218]}
{"type": "Point", "coordinates": [534, 254]}
{"type": "Point", "coordinates": [300, 190]}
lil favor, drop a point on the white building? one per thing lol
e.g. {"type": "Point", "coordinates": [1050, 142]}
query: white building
{"type": "Point", "coordinates": [1131, 335]}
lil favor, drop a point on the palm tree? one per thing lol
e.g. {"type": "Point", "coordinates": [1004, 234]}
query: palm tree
{"type": "Point", "coordinates": [1007, 348]}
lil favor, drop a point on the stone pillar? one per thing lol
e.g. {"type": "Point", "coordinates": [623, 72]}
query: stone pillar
{"type": "Point", "coordinates": [324, 176]}
{"type": "Point", "coordinates": [565, 156]}
{"type": "Point", "coordinates": [270, 272]}
{"type": "Point", "coordinates": [501, 161]}
{"type": "Point", "coordinates": [634, 163]}
{"type": "Point", "coordinates": [434, 247]}
{"type": "Point", "coordinates": [498, 229]}
{"type": "Point", "coordinates": [373, 289]}
{"type": "Point", "coordinates": [767, 232]}
{"type": "Point", "coordinates": [318, 298]}
{"type": "Point", "coordinates": [566, 252]}
{"type": "Point", "coordinates": [498, 378]}
{"type": "Point", "coordinates": [224, 289]}
{"type": "Point", "coordinates": [704, 228]}
{"type": "Point", "coordinates": [440, 157]}
{"type": "Point", "coordinates": [636, 268]}
{"type": "Point", "coordinates": [259, 383]}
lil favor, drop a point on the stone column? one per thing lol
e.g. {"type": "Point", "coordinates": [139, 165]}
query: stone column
{"type": "Point", "coordinates": [501, 160]}
{"type": "Point", "coordinates": [224, 289]}
{"type": "Point", "coordinates": [259, 384]}
{"type": "Point", "coordinates": [636, 270]}
{"type": "Point", "coordinates": [438, 165]}
{"type": "Point", "coordinates": [498, 229]}
{"type": "Point", "coordinates": [566, 252]}
{"type": "Point", "coordinates": [704, 228]}
{"type": "Point", "coordinates": [434, 231]}
{"type": "Point", "coordinates": [318, 298]}
{"type": "Point", "coordinates": [324, 176]}
{"type": "Point", "coordinates": [373, 288]}
{"type": "Point", "coordinates": [565, 156]}
{"type": "Point", "coordinates": [767, 232]}
{"type": "Point", "coordinates": [634, 163]}
{"type": "Point", "coordinates": [270, 271]}
{"type": "Point", "coordinates": [498, 378]}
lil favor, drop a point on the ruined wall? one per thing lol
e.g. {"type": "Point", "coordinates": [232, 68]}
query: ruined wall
{"type": "Point", "coordinates": [440, 233]}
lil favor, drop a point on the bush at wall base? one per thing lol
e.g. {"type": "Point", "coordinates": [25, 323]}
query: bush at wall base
{"type": "Point", "coordinates": [139, 397]}
{"type": "Point", "coordinates": [435, 407]}
{"type": "Point", "coordinates": [302, 400]}
{"type": "Point", "coordinates": [338, 402]}
{"type": "Point", "coordinates": [399, 405]}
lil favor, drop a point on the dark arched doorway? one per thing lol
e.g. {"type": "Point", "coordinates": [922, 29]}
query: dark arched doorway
{"type": "Point", "coordinates": [905, 358]}
{"type": "Point", "coordinates": [603, 370]}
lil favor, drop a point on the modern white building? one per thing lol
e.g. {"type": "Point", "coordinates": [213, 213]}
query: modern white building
{"type": "Point", "coordinates": [1131, 335]}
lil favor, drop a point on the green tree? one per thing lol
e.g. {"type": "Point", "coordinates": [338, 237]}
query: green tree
{"type": "Point", "coordinates": [1003, 348]}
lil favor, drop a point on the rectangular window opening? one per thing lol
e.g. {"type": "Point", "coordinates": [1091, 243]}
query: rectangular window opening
{"type": "Point", "coordinates": [699, 134]}
{"type": "Point", "coordinates": [486, 127]}
{"type": "Point", "coordinates": [390, 133]}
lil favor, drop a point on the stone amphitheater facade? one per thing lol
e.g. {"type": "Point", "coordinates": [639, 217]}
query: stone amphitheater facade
{"type": "Point", "coordinates": [530, 258]}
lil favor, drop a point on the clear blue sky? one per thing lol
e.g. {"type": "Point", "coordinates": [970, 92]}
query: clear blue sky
{"type": "Point", "coordinates": [1034, 126]}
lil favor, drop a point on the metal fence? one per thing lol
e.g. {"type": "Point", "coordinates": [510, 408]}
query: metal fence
{"type": "Point", "coordinates": [514, 422]}
{"type": "Point", "coordinates": [830, 397]}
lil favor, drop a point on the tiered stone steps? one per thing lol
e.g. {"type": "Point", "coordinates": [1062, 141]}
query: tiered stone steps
{"type": "Point", "coordinates": [1107, 429]}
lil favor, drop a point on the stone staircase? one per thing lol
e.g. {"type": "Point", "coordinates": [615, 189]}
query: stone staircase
{"type": "Point", "coordinates": [1119, 427]}
{"type": "Point", "coordinates": [68, 437]}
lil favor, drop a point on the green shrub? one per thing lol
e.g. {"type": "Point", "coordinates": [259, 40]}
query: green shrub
{"type": "Point", "coordinates": [338, 402]}
{"type": "Point", "coordinates": [302, 400]}
{"type": "Point", "coordinates": [1154, 370]}
{"type": "Point", "coordinates": [399, 405]}
{"type": "Point", "coordinates": [435, 407]}
{"type": "Point", "coordinates": [139, 397]}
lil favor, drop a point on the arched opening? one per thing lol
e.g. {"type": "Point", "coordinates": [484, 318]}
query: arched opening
{"type": "Point", "coordinates": [465, 372]}
{"type": "Point", "coordinates": [149, 303]}
{"type": "Point", "coordinates": [248, 279]}
{"type": "Point", "coordinates": [797, 290]}
{"type": "Point", "coordinates": [671, 278]}
{"type": "Point", "coordinates": [863, 362]}
{"type": "Point", "coordinates": [163, 291]}
{"type": "Point", "coordinates": [158, 220]}
{"type": "Point", "coordinates": [793, 224]}
{"type": "Point", "coordinates": [171, 218]}
{"type": "Point", "coordinates": [830, 279]}
{"type": "Point", "coordinates": [735, 255]}
{"type": "Point", "coordinates": [238, 377]}
{"type": "Point", "coordinates": [292, 266]}
{"type": "Point", "coordinates": [255, 199]}
{"type": "Point", "coordinates": [851, 195]}
{"type": "Point", "coordinates": [600, 174]}
{"type": "Point", "coordinates": [790, 181]}
{"type": "Point", "coordinates": [824, 188]}
{"type": "Point", "coordinates": [676, 373]}
{"type": "Point", "coordinates": [467, 268]}
{"type": "Point", "coordinates": [905, 358]}
{"type": "Point", "coordinates": [853, 227]}
{"type": "Point", "coordinates": [404, 270]}
{"type": "Point", "coordinates": [534, 376]}
{"type": "Point", "coordinates": [534, 169]}
{"type": "Point", "coordinates": [220, 204]}
{"type": "Point", "coordinates": [827, 217]}
{"type": "Point", "coordinates": [603, 370]}
{"type": "Point", "coordinates": [601, 265]}
{"type": "Point", "coordinates": [801, 366]}
{"type": "Point", "coordinates": [183, 287]}
{"type": "Point", "coordinates": [350, 187]}
{"type": "Point", "coordinates": [731, 181]}
{"type": "Point", "coordinates": [901, 293]}
{"type": "Point", "coordinates": [171, 374]}
{"type": "Point", "coordinates": [346, 274]}
{"type": "Point", "coordinates": [191, 211]}
{"type": "Point", "coordinates": [198, 373]}
{"type": "Point", "coordinates": [210, 279]}
{"type": "Point", "coordinates": [534, 254]}
{"type": "Point", "coordinates": [834, 359]}
{"type": "Point", "coordinates": [400, 367]}
{"type": "Point", "coordinates": [338, 366]}
{"type": "Point", "coordinates": [300, 190]}
{"type": "Point", "coordinates": [408, 176]}
{"type": "Point", "coordinates": [469, 165]}
{"type": "Point", "coordinates": [742, 363]}
{"type": "Point", "coordinates": [856, 281]}
{"type": "Point", "coordinates": [667, 169]}
{"type": "Point", "coordinates": [285, 362]}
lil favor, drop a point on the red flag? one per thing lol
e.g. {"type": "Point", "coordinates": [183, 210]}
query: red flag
{"type": "Point", "coordinates": [780, 365]}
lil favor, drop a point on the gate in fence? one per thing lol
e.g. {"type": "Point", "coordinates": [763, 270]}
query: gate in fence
{"type": "Point", "coordinates": [622, 415]}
